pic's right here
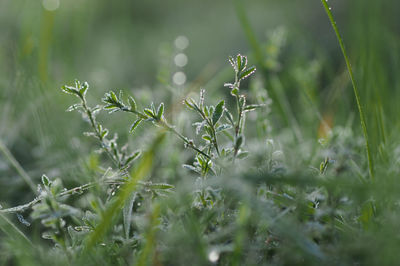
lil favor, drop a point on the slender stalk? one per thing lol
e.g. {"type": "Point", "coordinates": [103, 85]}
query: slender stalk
{"type": "Point", "coordinates": [237, 126]}
{"type": "Point", "coordinates": [94, 125]}
{"type": "Point", "coordinates": [71, 191]}
{"type": "Point", "coordinates": [8, 155]}
{"type": "Point", "coordinates": [165, 125]}
{"type": "Point", "coordinates": [355, 89]}
{"type": "Point", "coordinates": [214, 135]}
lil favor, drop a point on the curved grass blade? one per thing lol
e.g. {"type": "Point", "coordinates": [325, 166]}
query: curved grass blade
{"type": "Point", "coordinates": [12, 231]}
{"type": "Point", "coordinates": [355, 89]}
{"type": "Point", "coordinates": [138, 174]}
{"type": "Point", "coordinates": [8, 155]}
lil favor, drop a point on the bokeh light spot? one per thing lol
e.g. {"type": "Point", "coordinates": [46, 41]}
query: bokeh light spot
{"type": "Point", "coordinates": [51, 5]}
{"type": "Point", "coordinates": [179, 78]}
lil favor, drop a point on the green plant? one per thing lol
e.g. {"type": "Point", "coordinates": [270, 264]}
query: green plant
{"type": "Point", "coordinates": [72, 227]}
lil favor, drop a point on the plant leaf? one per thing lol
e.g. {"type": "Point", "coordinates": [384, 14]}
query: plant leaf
{"type": "Point", "coordinates": [149, 112]}
{"type": "Point", "coordinates": [160, 111]}
{"type": "Point", "coordinates": [219, 110]}
{"type": "Point", "coordinates": [135, 125]}
{"type": "Point", "coordinates": [133, 157]}
{"type": "Point", "coordinates": [247, 73]}
{"type": "Point", "coordinates": [132, 103]}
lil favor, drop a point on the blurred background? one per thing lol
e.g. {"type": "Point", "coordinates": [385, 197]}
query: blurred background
{"type": "Point", "coordinates": [164, 50]}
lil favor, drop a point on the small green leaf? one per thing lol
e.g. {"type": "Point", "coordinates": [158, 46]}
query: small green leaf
{"type": "Point", "coordinates": [239, 62]}
{"type": "Point", "coordinates": [113, 96]}
{"type": "Point", "coordinates": [190, 167]}
{"type": "Point", "coordinates": [242, 62]}
{"type": "Point", "coordinates": [133, 157]}
{"type": "Point", "coordinates": [149, 112]}
{"type": "Point", "coordinates": [153, 108]}
{"type": "Point", "coordinates": [69, 90]}
{"type": "Point", "coordinates": [206, 111]}
{"type": "Point", "coordinates": [104, 133]}
{"type": "Point", "coordinates": [161, 186]}
{"type": "Point", "coordinates": [132, 103]}
{"type": "Point", "coordinates": [160, 111]}
{"type": "Point", "coordinates": [252, 107]}
{"type": "Point", "coordinates": [219, 110]}
{"type": "Point", "coordinates": [239, 142]}
{"type": "Point", "coordinates": [242, 101]}
{"type": "Point", "coordinates": [110, 106]}
{"type": "Point", "coordinates": [243, 155]}
{"type": "Point", "coordinates": [46, 181]}
{"type": "Point", "coordinates": [74, 107]}
{"type": "Point", "coordinates": [84, 89]}
{"type": "Point", "coordinates": [207, 137]}
{"type": "Point", "coordinates": [235, 92]}
{"type": "Point", "coordinates": [222, 127]}
{"type": "Point", "coordinates": [135, 125]}
{"type": "Point", "coordinates": [208, 130]}
{"type": "Point", "coordinates": [247, 73]}
{"type": "Point", "coordinates": [189, 103]}
{"type": "Point", "coordinates": [233, 63]}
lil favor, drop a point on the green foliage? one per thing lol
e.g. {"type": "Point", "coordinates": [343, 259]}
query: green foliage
{"type": "Point", "coordinates": [268, 171]}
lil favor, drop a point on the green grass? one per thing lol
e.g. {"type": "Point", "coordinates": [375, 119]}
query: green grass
{"type": "Point", "coordinates": [353, 83]}
{"type": "Point", "coordinates": [239, 165]}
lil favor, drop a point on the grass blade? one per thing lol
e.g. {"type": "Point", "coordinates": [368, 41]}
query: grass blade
{"type": "Point", "coordinates": [12, 231]}
{"type": "Point", "coordinates": [137, 175]}
{"type": "Point", "coordinates": [353, 82]}
{"type": "Point", "coordinates": [8, 155]}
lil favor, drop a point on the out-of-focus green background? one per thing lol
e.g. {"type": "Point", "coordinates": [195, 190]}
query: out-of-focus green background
{"type": "Point", "coordinates": [131, 45]}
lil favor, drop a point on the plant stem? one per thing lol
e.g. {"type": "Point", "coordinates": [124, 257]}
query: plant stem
{"type": "Point", "coordinates": [237, 127]}
{"type": "Point", "coordinates": [71, 191]}
{"type": "Point", "coordinates": [170, 128]}
{"type": "Point", "coordinates": [355, 89]}
{"type": "Point", "coordinates": [214, 135]}
{"type": "Point", "coordinates": [94, 125]}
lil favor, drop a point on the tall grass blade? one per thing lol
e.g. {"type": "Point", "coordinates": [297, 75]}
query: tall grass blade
{"type": "Point", "coordinates": [353, 82]}
{"type": "Point", "coordinates": [138, 174]}
{"type": "Point", "coordinates": [8, 155]}
{"type": "Point", "coordinates": [12, 231]}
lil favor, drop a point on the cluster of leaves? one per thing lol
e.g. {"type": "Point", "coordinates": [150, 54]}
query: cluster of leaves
{"type": "Point", "coordinates": [68, 226]}
{"type": "Point", "coordinates": [215, 120]}
{"type": "Point", "coordinates": [119, 156]}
